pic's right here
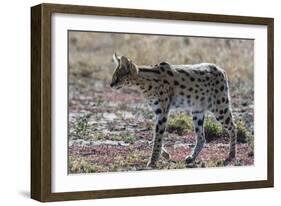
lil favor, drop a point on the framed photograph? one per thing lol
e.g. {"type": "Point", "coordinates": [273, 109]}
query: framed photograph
{"type": "Point", "coordinates": [130, 102]}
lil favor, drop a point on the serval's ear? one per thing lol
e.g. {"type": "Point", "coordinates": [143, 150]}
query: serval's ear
{"type": "Point", "coordinates": [133, 69]}
{"type": "Point", "coordinates": [125, 62]}
{"type": "Point", "coordinates": [116, 59]}
{"type": "Point", "coordinates": [128, 65]}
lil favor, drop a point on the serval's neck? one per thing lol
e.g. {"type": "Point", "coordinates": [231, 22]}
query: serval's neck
{"type": "Point", "coordinates": [147, 75]}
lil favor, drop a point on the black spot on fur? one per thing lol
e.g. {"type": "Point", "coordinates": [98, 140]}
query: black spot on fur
{"type": "Point", "coordinates": [223, 99]}
{"type": "Point", "coordinates": [209, 99]}
{"type": "Point", "coordinates": [157, 128]}
{"type": "Point", "coordinates": [156, 80]}
{"type": "Point", "coordinates": [162, 131]}
{"type": "Point", "coordinates": [188, 96]}
{"type": "Point", "coordinates": [156, 71]}
{"type": "Point", "coordinates": [227, 120]}
{"type": "Point", "coordinates": [162, 69]}
{"type": "Point", "coordinates": [161, 93]}
{"type": "Point", "coordinates": [156, 102]}
{"type": "Point", "coordinates": [164, 119]}
{"type": "Point", "coordinates": [202, 99]}
{"type": "Point", "coordinates": [200, 122]}
{"type": "Point", "coordinates": [182, 86]}
{"type": "Point", "coordinates": [158, 111]}
{"type": "Point", "coordinates": [149, 87]}
{"type": "Point", "coordinates": [183, 72]}
{"type": "Point", "coordinates": [222, 88]}
{"type": "Point", "coordinates": [163, 63]}
{"type": "Point", "coordinates": [196, 129]}
{"type": "Point", "coordinates": [225, 110]}
{"type": "Point", "coordinates": [216, 91]}
{"type": "Point", "coordinates": [170, 73]}
{"type": "Point", "coordinates": [190, 89]}
{"type": "Point", "coordinates": [192, 79]}
{"type": "Point", "coordinates": [194, 118]}
{"type": "Point", "coordinates": [176, 82]}
{"type": "Point", "coordinates": [218, 101]}
{"type": "Point", "coordinates": [212, 67]}
{"type": "Point", "coordinates": [165, 81]}
{"type": "Point", "coordinates": [181, 93]}
{"type": "Point", "coordinates": [217, 82]}
{"type": "Point", "coordinates": [196, 97]}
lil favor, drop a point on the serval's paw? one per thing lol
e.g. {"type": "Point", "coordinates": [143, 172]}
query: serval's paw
{"type": "Point", "coordinates": [189, 160]}
{"type": "Point", "coordinates": [151, 165]}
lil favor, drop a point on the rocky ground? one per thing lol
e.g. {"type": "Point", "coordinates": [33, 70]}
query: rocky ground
{"type": "Point", "coordinates": [112, 131]}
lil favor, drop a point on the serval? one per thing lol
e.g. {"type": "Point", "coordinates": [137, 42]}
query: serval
{"type": "Point", "coordinates": [195, 88]}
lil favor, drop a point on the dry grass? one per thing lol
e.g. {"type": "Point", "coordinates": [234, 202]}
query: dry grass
{"type": "Point", "coordinates": [91, 53]}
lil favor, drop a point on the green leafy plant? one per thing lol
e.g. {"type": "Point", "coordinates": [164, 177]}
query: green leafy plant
{"type": "Point", "coordinates": [212, 130]}
{"type": "Point", "coordinates": [180, 124]}
{"type": "Point", "coordinates": [81, 127]}
{"type": "Point", "coordinates": [243, 134]}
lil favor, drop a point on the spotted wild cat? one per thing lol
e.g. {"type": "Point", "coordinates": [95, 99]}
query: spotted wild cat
{"type": "Point", "coordinates": [195, 88]}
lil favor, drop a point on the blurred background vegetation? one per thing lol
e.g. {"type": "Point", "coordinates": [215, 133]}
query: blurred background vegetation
{"type": "Point", "coordinates": [90, 53]}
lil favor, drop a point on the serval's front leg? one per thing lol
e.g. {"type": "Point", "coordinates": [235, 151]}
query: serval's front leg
{"type": "Point", "coordinates": [161, 119]}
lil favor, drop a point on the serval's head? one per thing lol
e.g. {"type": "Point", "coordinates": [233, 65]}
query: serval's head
{"type": "Point", "coordinates": [124, 72]}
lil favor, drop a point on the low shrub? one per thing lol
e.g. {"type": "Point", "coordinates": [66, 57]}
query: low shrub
{"type": "Point", "coordinates": [182, 123]}
{"type": "Point", "coordinates": [179, 124]}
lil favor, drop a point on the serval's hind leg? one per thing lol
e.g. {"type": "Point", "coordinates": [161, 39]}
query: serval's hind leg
{"type": "Point", "coordinates": [198, 122]}
{"type": "Point", "coordinates": [224, 116]}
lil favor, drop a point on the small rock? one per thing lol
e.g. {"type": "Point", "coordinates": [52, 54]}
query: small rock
{"type": "Point", "coordinates": [251, 154]}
